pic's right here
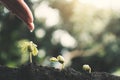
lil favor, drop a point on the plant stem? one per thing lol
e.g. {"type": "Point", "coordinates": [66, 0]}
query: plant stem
{"type": "Point", "coordinates": [90, 70]}
{"type": "Point", "coordinates": [30, 57]}
{"type": "Point", "coordinates": [63, 65]}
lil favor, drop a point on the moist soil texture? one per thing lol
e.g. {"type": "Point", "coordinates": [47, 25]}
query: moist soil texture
{"type": "Point", "coordinates": [35, 72]}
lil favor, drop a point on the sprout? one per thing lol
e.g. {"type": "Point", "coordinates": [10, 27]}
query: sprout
{"type": "Point", "coordinates": [59, 59]}
{"type": "Point", "coordinates": [29, 47]}
{"type": "Point", "coordinates": [87, 68]}
{"type": "Point", "coordinates": [53, 59]}
{"type": "Point", "coordinates": [32, 50]}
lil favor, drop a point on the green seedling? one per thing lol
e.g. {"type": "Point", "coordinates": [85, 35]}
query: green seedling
{"type": "Point", "coordinates": [87, 68]}
{"type": "Point", "coordinates": [29, 47]}
{"type": "Point", "coordinates": [59, 59]}
{"type": "Point", "coordinates": [53, 59]}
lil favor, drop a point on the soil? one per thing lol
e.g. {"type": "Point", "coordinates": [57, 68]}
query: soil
{"type": "Point", "coordinates": [35, 72]}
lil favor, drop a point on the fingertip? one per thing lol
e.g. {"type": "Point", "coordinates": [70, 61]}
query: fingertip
{"type": "Point", "coordinates": [31, 27]}
{"type": "Point", "coordinates": [31, 30]}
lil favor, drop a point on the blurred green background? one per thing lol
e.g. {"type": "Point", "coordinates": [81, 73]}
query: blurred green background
{"type": "Point", "coordinates": [83, 31]}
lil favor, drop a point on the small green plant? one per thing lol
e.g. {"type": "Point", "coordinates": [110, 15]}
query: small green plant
{"type": "Point", "coordinates": [59, 59]}
{"type": "Point", "coordinates": [29, 47]}
{"type": "Point", "coordinates": [86, 67]}
{"type": "Point", "coordinates": [53, 59]}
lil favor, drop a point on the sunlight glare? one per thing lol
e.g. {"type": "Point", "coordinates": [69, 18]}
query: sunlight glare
{"type": "Point", "coordinates": [63, 37]}
{"type": "Point", "coordinates": [41, 53]}
{"type": "Point", "coordinates": [111, 4]}
{"type": "Point", "coordinates": [34, 0]}
{"type": "Point", "coordinates": [51, 16]}
{"type": "Point", "coordinates": [69, 0]}
{"type": "Point", "coordinates": [97, 3]}
{"type": "Point", "coordinates": [40, 33]}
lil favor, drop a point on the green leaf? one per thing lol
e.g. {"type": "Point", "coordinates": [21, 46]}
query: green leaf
{"type": "Point", "coordinates": [29, 47]}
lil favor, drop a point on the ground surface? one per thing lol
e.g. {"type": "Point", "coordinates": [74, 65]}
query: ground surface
{"type": "Point", "coordinates": [35, 72]}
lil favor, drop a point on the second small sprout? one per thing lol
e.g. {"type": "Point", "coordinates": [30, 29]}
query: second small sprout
{"type": "Point", "coordinates": [86, 67]}
{"type": "Point", "coordinates": [59, 59]}
{"type": "Point", "coordinates": [53, 59]}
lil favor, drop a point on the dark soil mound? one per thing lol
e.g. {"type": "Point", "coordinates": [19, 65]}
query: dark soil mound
{"type": "Point", "coordinates": [35, 72]}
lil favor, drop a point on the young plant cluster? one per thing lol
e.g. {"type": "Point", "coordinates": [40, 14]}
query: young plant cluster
{"type": "Point", "coordinates": [59, 59]}
{"type": "Point", "coordinates": [31, 48]}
